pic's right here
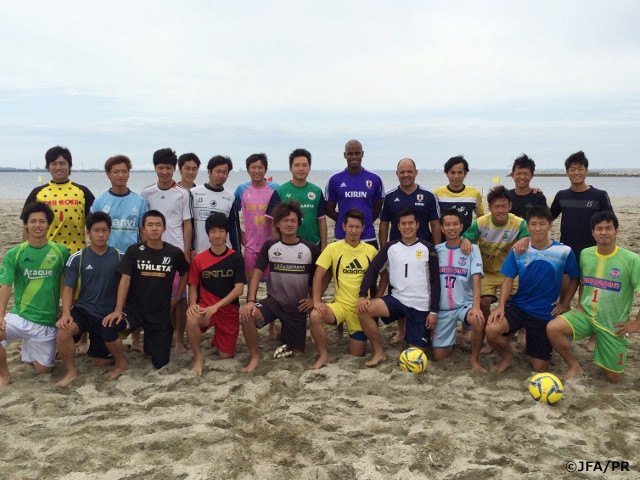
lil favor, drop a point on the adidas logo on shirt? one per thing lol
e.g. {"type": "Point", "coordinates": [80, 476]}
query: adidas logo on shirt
{"type": "Point", "coordinates": [88, 267]}
{"type": "Point", "coordinates": [397, 199]}
{"type": "Point", "coordinates": [354, 268]}
{"type": "Point", "coordinates": [343, 185]}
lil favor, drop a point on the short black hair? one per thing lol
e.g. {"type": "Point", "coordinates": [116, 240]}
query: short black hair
{"type": "Point", "coordinates": [539, 211]}
{"type": "Point", "coordinates": [165, 155]}
{"type": "Point", "coordinates": [353, 213]}
{"type": "Point", "coordinates": [299, 152]}
{"type": "Point", "coordinates": [451, 212]}
{"type": "Point", "coordinates": [497, 192]}
{"type": "Point", "coordinates": [54, 152]}
{"type": "Point", "coordinates": [454, 161]}
{"type": "Point", "coordinates": [579, 158]}
{"type": "Point", "coordinates": [154, 213]}
{"type": "Point", "coordinates": [216, 220]}
{"type": "Point", "coordinates": [188, 157]}
{"type": "Point", "coordinates": [604, 216]}
{"type": "Point", "coordinates": [524, 161]}
{"type": "Point", "coordinates": [406, 211]}
{"type": "Point", "coordinates": [219, 160]}
{"type": "Point", "coordinates": [35, 207]}
{"type": "Point", "coordinates": [255, 157]}
{"type": "Point", "coordinates": [96, 217]}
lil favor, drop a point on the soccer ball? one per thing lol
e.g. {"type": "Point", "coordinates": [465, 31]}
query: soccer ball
{"type": "Point", "coordinates": [545, 388]}
{"type": "Point", "coordinates": [413, 360]}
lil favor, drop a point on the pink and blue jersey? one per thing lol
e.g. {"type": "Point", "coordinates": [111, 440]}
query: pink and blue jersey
{"type": "Point", "coordinates": [539, 275]}
{"type": "Point", "coordinates": [456, 275]}
{"type": "Point", "coordinates": [252, 202]}
{"type": "Point", "coordinates": [355, 191]}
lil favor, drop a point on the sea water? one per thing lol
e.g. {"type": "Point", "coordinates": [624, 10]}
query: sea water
{"type": "Point", "coordinates": [17, 185]}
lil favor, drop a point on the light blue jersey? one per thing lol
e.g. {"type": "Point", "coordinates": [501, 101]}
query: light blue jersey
{"type": "Point", "coordinates": [126, 213]}
{"type": "Point", "coordinates": [539, 275]}
{"type": "Point", "coordinates": [456, 275]}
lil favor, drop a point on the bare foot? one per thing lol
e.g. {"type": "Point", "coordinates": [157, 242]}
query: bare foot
{"type": "Point", "coordinates": [116, 372]}
{"type": "Point", "coordinates": [574, 372]}
{"type": "Point", "coordinates": [68, 378]}
{"type": "Point", "coordinates": [397, 338]}
{"type": "Point", "coordinates": [197, 367]}
{"type": "Point", "coordinates": [5, 380]}
{"type": "Point", "coordinates": [592, 343]}
{"type": "Point", "coordinates": [375, 360]}
{"type": "Point", "coordinates": [476, 364]}
{"type": "Point", "coordinates": [137, 347]}
{"type": "Point", "coordinates": [253, 364]}
{"type": "Point", "coordinates": [321, 362]}
{"type": "Point", "coordinates": [83, 346]}
{"type": "Point", "coordinates": [486, 349]}
{"type": "Point", "coordinates": [180, 349]}
{"type": "Point", "coordinates": [504, 364]}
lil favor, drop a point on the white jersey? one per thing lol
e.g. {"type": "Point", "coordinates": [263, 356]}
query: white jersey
{"type": "Point", "coordinates": [174, 204]}
{"type": "Point", "coordinates": [207, 200]}
{"type": "Point", "coordinates": [413, 273]}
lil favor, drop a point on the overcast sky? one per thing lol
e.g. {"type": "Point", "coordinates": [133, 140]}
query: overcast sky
{"type": "Point", "coordinates": [426, 80]}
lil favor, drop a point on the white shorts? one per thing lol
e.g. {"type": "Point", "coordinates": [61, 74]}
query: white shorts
{"type": "Point", "coordinates": [444, 335]}
{"type": "Point", "coordinates": [38, 341]}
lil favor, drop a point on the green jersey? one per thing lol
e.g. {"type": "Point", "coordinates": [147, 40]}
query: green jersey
{"type": "Point", "coordinates": [311, 202]}
{"type": "Point", "coordinates": [609, 282]}
{"type": "Point", "coordinates": [35, 275]}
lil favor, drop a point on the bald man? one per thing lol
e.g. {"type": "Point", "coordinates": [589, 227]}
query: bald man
{"type": "Point", "coordinates": [355, 187]}
{"type": "Point", "coordinates": [409, 194]}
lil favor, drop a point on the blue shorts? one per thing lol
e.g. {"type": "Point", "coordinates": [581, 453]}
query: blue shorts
{"type": "Point", "coordinates": [538, 344]}
{"type": "Point", "coordinates": [444, 335]}
{"type": "Point", "coordinates": [417, 333]}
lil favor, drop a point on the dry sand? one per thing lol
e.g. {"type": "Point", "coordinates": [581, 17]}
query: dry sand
{"type": "Point", "coordinates": [344, 421]}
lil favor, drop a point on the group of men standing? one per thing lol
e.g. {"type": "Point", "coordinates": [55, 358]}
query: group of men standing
{"type": "Point", "coordinates": [436, 265]}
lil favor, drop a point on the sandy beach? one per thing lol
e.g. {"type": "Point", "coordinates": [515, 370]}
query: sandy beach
{"type": "Point", "coordinates": [341, 422]}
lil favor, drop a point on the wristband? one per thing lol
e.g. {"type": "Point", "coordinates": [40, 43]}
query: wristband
{"type": "Point", "coordinates": [251, 301]}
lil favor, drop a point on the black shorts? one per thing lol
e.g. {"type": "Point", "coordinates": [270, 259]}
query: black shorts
{"type": "Point", "coordinates": [158, 334]}
{"type": "Point", "coordinates": [294, 324]}
{"type": "Point", "coordinates": [93, 325]}
{"type": "Point", "coordinates": [538, 345]}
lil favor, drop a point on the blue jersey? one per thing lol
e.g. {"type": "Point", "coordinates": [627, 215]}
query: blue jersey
{"type": "Point", "coordinates": [539, 275]}
{"type": "Point", "coordinates": [126, 213]}
{"type": "Point", "coordinates": [355, 191]}
{"type": "Point", "coordinates": [425, 203]}
{"type": "Point", "coordinates": [456, 275]}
